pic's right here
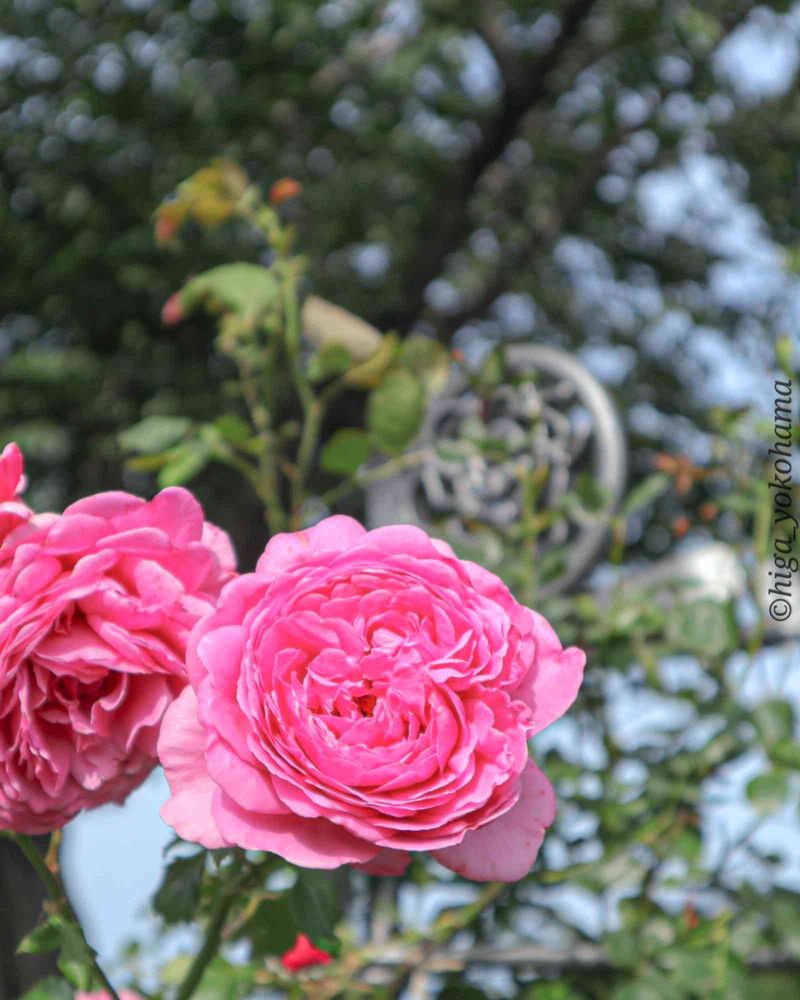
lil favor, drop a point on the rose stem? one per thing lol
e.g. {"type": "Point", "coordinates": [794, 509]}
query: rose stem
{"type": "Point", "coordinates": [48, 873]}
{"type": "Point", "coordinates": [226, 896]}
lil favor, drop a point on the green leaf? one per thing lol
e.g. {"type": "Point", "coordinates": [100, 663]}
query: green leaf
{"type": "Point", "coordinates": [395, 410]}
{"type": "Point", "coordinates": [645, 493]}
{"type": "Point", "coordinates": [75, 956]}
{"type": "Point", "coordinates": [649, 987]}
{"type": "Point", "coordinates": [50, 988]}
{"type": "Point", "coordinates": [154, 434]}
{"type": "Point", "coordinates": [248, 290]}
{"type": "Point", "coordinates": [622, 949]}
{"type": "Point", "coordinates": [233, 429]}
{"type": "Point", "coordinates": [772, 983]}
{"type": "Point", "coordinates": [185, 462]}
{"type": "Point", "coordinates": [592, 495]}
{"type": "Point", "coordinates": [774, 721]}
{"type": "Point", "coordinates": [271, 930]}
{"type": "Point", "coordinates": [427, 359]}
{"type": "Point", "coordinates": [315, 904]}
{"type": "Point", "coordinates": [461, 991]}
{"type": "Point", "coordinates": [786, 753]}
{"type": "Point", "coordinates": [696, 973]}
{"type": "Point", "coordinates": [179, 892]}
{"type": "Point", "coordinates": [345, 451]}
{"type": "Point", "coordinates": [330, 361]}
{"type": "Point", "coordinates": [45, 937]}
{"type": "Point", "coordinates": [369, 374]}
{"type": "Point", "coordinates": [767, 792]}
{"type": "Point", "coordinates": [689, 844]}
{"type": "Point", "coordinates": [75, 959]}
{"type": "Point", "coordinates": [493, 372]}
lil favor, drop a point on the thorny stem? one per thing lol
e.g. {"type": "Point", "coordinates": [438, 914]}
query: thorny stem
{"type": "Point", "coordinates": [47, 870]}
{"type": "Point", "coordinates": [447, 930]}
{"type": "Point", "coordinates": [227, 894]}
{"type": "Point", "coordinates": [313, 407]}
{"type": "Point", "coordinates": [383, 471]}
{"type": "Point", "coordinates": [266, 480]}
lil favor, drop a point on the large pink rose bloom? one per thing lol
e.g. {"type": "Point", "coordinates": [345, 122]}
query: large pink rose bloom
{"type": "Point", "coordinates": [13, 511]}
{"type": "Point", "coordinates": [96, 606]}
{"type": "Point", "coordinates": [363, 695]}
{"type": "Point", "coordinates": [105, 995]}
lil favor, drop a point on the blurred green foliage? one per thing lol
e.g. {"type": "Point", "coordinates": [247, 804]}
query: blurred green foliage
{"type": "Point", "coordinates": [474, 171]}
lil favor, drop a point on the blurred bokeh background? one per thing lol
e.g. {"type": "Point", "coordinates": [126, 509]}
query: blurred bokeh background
{"type": "Point", "coordinates": [619, 179]}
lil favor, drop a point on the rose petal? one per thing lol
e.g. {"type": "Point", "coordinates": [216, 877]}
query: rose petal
{"type": "Point", "coordinates": [504, 850]}
{"type": "Point", "coordinates": [310, 843]}
{"type": "Point", "coordinates": [336, 534]}
{"type": "Point", "coordinates": [386, 862]}
{"type": "Point", "coordinates": [552, 684]}
{"type": "Point", "coordinates": [181, 750]}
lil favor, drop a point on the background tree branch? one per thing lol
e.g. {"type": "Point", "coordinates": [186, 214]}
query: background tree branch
{"type": "Point", "coordinates": [444, 229]}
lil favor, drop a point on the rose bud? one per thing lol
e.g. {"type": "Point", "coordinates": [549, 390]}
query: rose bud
{"type": "Point", "coordinates": [303, 954]}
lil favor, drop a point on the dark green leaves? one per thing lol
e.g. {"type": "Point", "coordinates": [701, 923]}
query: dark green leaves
{"type": "Point", "coordinates": [154, 434]}
{"type": "Point", "coordinates": [179, 892]}
{"type": "Point", "coordinates": [184, 463]}
{"type": "Point", "coordinates": [645, 492]}
{"type": "Point", "coordinates": [329, 362]}
{"type": "Point", "coordinates": [395, 410]}
{"type": "Point", "coordinates": [774, 722]}
{"type": "Point", "coordinates": [170, 446]}
{"type": "Point", "coordinates": [345, 451]}
{"type": "Point", "coordinates": [248, 290]}
{"type": "Point", "coordinates": [46, 937]}
{"type": "Point", "coordinates": [315, 905]}
{"type": "Point", "coordinates": [49, 989]}
{"type": "Point", "coordinates": [427, 359]}
{"type": "Point", "coordinates": [75, 958]}
{"type": "Point", "coordinates": [271, 929]}
{"type": "Point", "coordinates": [767, 792]}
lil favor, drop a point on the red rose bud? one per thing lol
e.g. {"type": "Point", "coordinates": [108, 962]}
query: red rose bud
{"type": "Point", "coordinates": [173, 311]}
{"type": "Point", "coordinates": [303, 954]}
{"type": "Point", "coordinates": [680, 526]}
{"type": "Point", "coordinates": [169, 219]}
{"type": "Point", "coordinates": [708, 511]}
{"type": "Point", "coordinates": [166, 230]}
{"type": "Point", "coordinates": [284, 189]}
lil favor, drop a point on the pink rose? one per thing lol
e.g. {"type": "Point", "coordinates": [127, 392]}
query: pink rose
{"type": "Point", "coordinates": [12, 482]}
{"type": "Point", "coordinates": [363, 695]}
{"type": "Point", "coordinates": [105, 995]}
{"type": "Point", "coordinates": [96, 606]}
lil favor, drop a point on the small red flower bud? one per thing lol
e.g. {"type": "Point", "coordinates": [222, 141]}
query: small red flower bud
{"type": "Point", "coordinates": [169, 219]}
{"type": "Point", "coordinates": [284, 189]}
{"type": "Point", "coordinates": [166, 230]}
{"type": "Point", "coordinates": [302, 954]}
{"type": "Point", "coordinates": [708, 511]}
{"type": "Point", "coordinates": [680, 526]}
{"type": "Point", "coordinates": [172, 311]}
{"type": "Point", "coordinates": [690, 917]}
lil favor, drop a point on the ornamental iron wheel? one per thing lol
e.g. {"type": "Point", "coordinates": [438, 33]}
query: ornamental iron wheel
{"type": "Point", "coordinates": [479, 450]}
